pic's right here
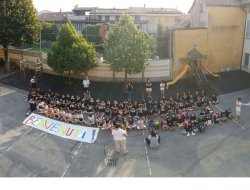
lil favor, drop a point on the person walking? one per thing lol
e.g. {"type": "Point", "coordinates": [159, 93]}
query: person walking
{"type": "Point", "coordinates": [129, 89]}
{"type": "Point", "coordinates": [120, 137]}
{"type": "Point", "coordinates": [149, 88]}
{"type": "Point", "coordinates": [238, 109]}
{"type": "Point", "coordinates": [162, 89]}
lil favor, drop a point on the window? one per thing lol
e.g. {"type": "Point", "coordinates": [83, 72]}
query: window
{"type": "Point", "coordinates": [107, 18]}
{"type": "Point", "coordinates": [248, 29]}
{"type": "Point", "coordinates": [246, 59]}
{"type": "Point", "coordinates": [137, 18]}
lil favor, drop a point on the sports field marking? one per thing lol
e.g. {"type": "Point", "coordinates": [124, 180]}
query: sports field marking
{"type": "Point", "coordinates": [146, 151]}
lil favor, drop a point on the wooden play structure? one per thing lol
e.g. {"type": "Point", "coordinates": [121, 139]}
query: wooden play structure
{"type": "Point", "coordinates": [31, 68]}
{"type": "Point", "coordinates": [196, 67]}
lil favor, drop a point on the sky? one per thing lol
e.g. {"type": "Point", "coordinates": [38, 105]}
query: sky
{"type": "Point", "coordinates": [68, 5]}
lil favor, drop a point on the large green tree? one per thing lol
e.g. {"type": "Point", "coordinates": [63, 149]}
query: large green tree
{"type": "Point", "coordinates": [91, 34]}
{"type": "Point", "coordinates": [126, 47]}
{"type": "Point", "coordinates": [71, 52]}
{"type": "Point", "coordinates": [49, 31]}
{"type": "Point", "coordinates": [18, 25]}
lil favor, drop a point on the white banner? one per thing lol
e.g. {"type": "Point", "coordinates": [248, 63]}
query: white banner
{"type": "Point", "coordinates": [65, 130]}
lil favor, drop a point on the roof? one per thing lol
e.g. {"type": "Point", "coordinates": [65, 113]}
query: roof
{"type": "Point", "coordinates": [194, 54]}
{"type": "Point", "coordinates": [217, 3]}
{"type": "Point", "coordinates": [244, 2]}
{"type": "Point", "coordinates": [53, 16]}
{"type": "Point", "coordinates": [84, 8]}
{"type": "Point", "coordinates": [144, 10]}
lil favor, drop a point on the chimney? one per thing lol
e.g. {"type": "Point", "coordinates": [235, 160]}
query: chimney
{"type": "Point", "coordinates": [144, 5]}
{"type": "Point", "coordinates": [60, 10]}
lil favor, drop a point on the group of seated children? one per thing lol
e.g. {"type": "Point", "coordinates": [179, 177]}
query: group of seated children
{"type": "Point", "coordinates": [166, 114]}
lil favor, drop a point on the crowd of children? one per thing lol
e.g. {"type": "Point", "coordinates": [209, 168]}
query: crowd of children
{"type": "Point", "coordinates": [191, 111]}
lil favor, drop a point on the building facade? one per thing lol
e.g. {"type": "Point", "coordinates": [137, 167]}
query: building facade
{"type": "Point", "coordinates": [245, 64]}
{"type": "Point", "coordinates": [217, 33]}
{"type": "Point", "coordinates": [146, 18]}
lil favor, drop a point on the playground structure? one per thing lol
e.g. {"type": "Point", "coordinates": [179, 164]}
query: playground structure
{"type": "Point", "coordinates": [196, 68]}
{"type": "Point", "coordinates": [31, 67]}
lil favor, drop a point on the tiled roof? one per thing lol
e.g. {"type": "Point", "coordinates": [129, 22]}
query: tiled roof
{"type": "Point", "coordinates": [142, 10]}
{"type": "Point", "coordinates": [53, 16]}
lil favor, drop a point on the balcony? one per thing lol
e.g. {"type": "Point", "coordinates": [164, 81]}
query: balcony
{"type": "Point", "coordinates": [80, 18]}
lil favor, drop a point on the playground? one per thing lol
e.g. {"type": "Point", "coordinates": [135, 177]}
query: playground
{"type": "Point", "coordinates": [222, 151]}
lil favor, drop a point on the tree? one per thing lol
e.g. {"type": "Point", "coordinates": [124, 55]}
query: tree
{"type": "Point", "coordinates": [19, 24]}
{"type": "Point", "coordinates": [49, 31]}
{"type": "Point", "coordinates": [71, 52]}
{"type": "Point", "coordinates": [91, 34]}
{"type": "Point", "coordinates": [126, 48]}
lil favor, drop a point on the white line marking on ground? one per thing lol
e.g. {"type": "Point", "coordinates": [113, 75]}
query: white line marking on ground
{"type": "Point", "coordinates": [8, 149]}
{"type": "Point", "coordinates": [74, 157]}
{"type": "Point", "coordinates": [65, 170]}
{"type": "Point", "coordinates": [6, 93]}
{"type": "Point", "coordinates": [146, 150]}
{"type": "Point", "coordinates": [20, 94]}
{"type": "Point", "coordinates": [219, 108]}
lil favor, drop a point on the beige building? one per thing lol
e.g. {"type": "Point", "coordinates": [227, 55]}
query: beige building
{"type": "Point", "coordinates": [146, 18]}
{"type": "Point", "coordinates": [245, 64]}
{"type": "Point", "coordinates": [216, 32]}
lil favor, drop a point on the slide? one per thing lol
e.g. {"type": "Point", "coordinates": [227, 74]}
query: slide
{"type": "Point", "coordinates": [183, 72]}
{"type": "Point", "coordinates": [209, 72]}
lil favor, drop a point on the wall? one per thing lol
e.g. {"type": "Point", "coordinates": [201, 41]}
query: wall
{"type": "Point", "coordinates": [222, 41]}
{"type": "Point", "coordinates": [246, 49]}
{"type": "Point", "coordinates": [225, 38]}
{"type": "Point", "coordinates": [185, 41]}
{"type": "Point", "coordinates": [157, 70]}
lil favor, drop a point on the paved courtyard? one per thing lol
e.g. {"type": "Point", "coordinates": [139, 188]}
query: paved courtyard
{"type": "Point", "coordinates": [223, 151]}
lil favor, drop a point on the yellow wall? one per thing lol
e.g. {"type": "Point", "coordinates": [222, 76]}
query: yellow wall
{"type": "Point", "coordinates": [222, 41]}
{"type": "Point", "coordinates": [185, 41]}
{"type": "Point", "coordinates": [225, 37]}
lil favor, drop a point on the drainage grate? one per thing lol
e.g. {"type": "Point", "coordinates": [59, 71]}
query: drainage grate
{"type": "Point", "coordinates": [112, 162]}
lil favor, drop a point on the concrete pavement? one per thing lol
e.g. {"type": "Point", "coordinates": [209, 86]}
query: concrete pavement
{"type": "Point", "coordinates": [27, 152]}
{"type": "Point", "coordinates": [222, 151]}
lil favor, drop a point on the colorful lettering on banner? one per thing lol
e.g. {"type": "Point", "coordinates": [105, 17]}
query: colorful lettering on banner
{"type": "Point", "coordinates": [65, 130]}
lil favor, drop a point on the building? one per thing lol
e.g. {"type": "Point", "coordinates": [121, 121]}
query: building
{"type": "Point", "coordinates": [146, 18]}
{"type": "Point", "coordinates": [245, 65]}
{"type": "Point", "coordinates": [57, 18]}
{"type": "Point", "coordinates": [216, 31]}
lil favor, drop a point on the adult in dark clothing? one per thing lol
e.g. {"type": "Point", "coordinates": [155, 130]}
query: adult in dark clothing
{"type": "Point", "coordinates": [129, 89]}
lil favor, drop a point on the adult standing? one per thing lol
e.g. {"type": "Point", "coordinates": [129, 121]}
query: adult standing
{"type": "Point", "coordinates": [120, 137]}
{"type": "Point", "coordinates": [238, 109]}
{"type": "Point", "coordinates": [149, 88]}
{"type": "Point", "coordinates": [129, 89]}
{"type": "Point", "coordinates": [85, 83]}
{"type": "Point", "coordinates": [33, 83]}
{"type": "Point", "coordinates": [162, 89]}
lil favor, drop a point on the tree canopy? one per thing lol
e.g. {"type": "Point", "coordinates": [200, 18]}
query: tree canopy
{"type": "Point", "coordinates": [19, 24]}
{"type": "Point", "coordinates": [49, 32]}
{"type": "Point", "coordinates": [91, 34]}
{"type": "Point", "coordinates": [126, 47]}
{"type": "Point", "coordinates": [71, 52]}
